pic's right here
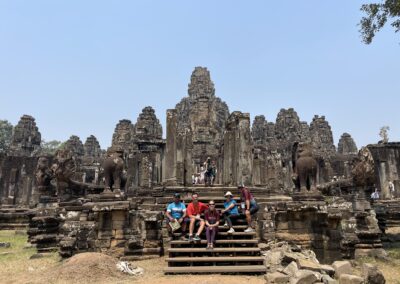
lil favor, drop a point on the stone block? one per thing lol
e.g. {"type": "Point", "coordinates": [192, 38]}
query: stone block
{"type": "Point", "coordinates": [372, 275]}
{"type": "Point", "coordinates": [103, 243]}
{"type": "Point", "coordinates": [305, 277]}
{"type": "Point", "coordinates": [342, 267]}
{"type": "Point", "coordinates": [326, 279]}
{"type": "Point", "coordinates": [291, 269]}
{"type": "Point", "coordinates": [308, 265]}
{"type": "Point", "coordinates": [350, 279]}
{"type": "Point", "coordinates": [73, 216]}
{"type": "Point", "coordinates": [118, 216]}
{"type": "Point", "coordinates": [277, 278]}
{"type": "Point", "coordinates": [119, 234]}
{"type": "Point", "coordinates": [118, 243]}
{"type": "Point", "coordinates": [118, 225]}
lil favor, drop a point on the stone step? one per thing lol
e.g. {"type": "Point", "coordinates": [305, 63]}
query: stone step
{"type": "Point", "coordinates": [216, 269]}
{"type": "Point", "coordinates": [216, 259]}
{"type": "Point", "coordinates": [215, 250]}
{"type": "Point", "coordinates": [218, 242]}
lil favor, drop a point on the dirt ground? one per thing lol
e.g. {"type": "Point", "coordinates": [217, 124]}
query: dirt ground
{"type": "Point", "coordinates": [16, 266]}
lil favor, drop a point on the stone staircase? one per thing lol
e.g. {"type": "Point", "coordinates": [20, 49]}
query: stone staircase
{"type": "Point", "coordinates": [233, 253]}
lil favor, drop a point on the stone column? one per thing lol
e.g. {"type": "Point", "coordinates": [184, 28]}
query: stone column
{"type": "Point", "coordinates": [237, 150]}
{"type": "Point", "coordinates": [169, 167]}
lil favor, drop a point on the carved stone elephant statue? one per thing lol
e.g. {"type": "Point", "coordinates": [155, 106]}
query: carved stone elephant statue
{"type": "Point", "coordinates": [305, 167]}
{"type": "Point", "coordinates": [113, 167]}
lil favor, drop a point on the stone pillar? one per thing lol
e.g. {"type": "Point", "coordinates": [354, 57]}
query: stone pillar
{"type": "Point", "coordinates": [238, 150]}
{"type": "Point", "coordinates": [169, 167]}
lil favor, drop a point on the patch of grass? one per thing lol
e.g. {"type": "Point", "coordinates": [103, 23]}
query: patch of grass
{"type": "Point", "coordinates": [15, 260]}
{"type": "Point", "coordinates": [394, 253]}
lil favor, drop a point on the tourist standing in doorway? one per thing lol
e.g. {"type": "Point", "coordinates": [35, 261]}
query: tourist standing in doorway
{"type": "Point", "coordinates": [249, 206]}
{"type": "Point", "coordinates": [211, 216]}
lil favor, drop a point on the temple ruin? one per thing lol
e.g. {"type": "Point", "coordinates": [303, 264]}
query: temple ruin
{"type": "Point", "coordinates": [337, 221]}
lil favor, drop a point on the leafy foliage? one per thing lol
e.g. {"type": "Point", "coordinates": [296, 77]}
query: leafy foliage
{"type": "Point", "coordinates": [377, 16]}
{"type": "Point", "coordinates": [51, 147]}
{"type": "Point", "coordinates": [6, 129]}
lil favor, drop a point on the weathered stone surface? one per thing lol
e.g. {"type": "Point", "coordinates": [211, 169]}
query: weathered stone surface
{"type": "Point", "coordinates": [326, 279]}
{"type": "Point", "coordinates": [277, 277]}
{"type": "Point", "coordinates": [92, 147]}
{"type": "Point", "coordinates": [321, 137]}
{"type": "Point", "coordinates": [372, 275]}
{"type": "Point", "coordinates": [346, 145]}
{"type": "Point", "coordinates": [305, 277]}
{"type": "Point", "coordinates": [26, 138]}
{"type": "Point", "coordinates": [350, 279]}
{"type": "Point", "coordinates": [148, 127]}
{"type": "Point", "coordinates": [74, 144]}
{"type": "Point", "coordinates": [237, 150]}
{"type": "Point", "coordinates": [291, 269]}
{"type": "Point", "coordinates": [342, 267]}
{"type": "Point", "coordinates": [123, 136]}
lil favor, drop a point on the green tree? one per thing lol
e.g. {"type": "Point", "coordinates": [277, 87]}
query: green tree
{"type": "Point", "coordinates": [6, 129]}
{"type": "Point", "coordinates": [377, 15]}
{"type": "Point", "coordinates": [51, 147]}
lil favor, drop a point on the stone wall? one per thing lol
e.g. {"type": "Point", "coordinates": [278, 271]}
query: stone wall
{"type": "Point", "coordinates": [387, 166]}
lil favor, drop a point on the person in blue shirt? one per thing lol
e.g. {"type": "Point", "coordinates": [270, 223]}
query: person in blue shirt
{"type": "Point", "coordinates": [230, 212]}
{"type": "Point", "coordinates": [176, 211]}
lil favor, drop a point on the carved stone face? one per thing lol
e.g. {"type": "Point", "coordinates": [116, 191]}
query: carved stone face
{"type": "Point", "coordinates": [43, 163]}
{"type": "Point", "coordinates": [304, 150]}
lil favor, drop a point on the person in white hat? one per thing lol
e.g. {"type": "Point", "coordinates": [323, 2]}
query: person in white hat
{"type": "Point", "coordinates": [230, 211]}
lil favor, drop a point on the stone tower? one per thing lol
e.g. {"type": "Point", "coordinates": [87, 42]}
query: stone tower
{"type": "Point", "coordinates": [194, 128]}
{"type": "Point", "coordinates": [26, 137]}
{"type": "Point", "coordinates": [148, 126]}
{"type": "Point", "coordinates": [347, 145]}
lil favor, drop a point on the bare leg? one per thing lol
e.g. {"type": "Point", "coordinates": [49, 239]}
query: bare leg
{"type": "Point", "coordinates": [201, 228]}
{"type": "Point", "coordinates": [191, 226]}
{"type": "Point", "coordinates": [248, 218]}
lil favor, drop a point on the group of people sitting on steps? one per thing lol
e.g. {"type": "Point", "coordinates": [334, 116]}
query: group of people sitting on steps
{"type": "Point", "coordinates": [199, 215]}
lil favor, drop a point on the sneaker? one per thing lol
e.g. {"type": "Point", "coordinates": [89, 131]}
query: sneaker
{"type": "Point", "coordinates": [196, 238]}
{"type": "Point", "coordinates": [190, 239]}
{"type": "Point", "coordinates": [231, 231]}
{"type": "Point", "coordinates": [226, 225]}
{"type": "Point", "coordinates": [249, 230]}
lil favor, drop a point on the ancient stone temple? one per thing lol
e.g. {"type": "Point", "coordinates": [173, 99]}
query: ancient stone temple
{"type": "Point", "coordinates": [123, 136]}
{"type": "Point", "coordinates": [92, 147]}
{"type": "Point", "coordinates": [26, 138]}
{"type": "Point", "coordinates": [148, 126]}
{"type": "Point", "coordinates": [73, 209]}
{"type": "Point", "coordinates": [75, 145]}
{"type": "Point", "coordinates": [147, 151]}
{"type": "Point", "coordinates": [199, 121]}
{"type": "Point", "coordinates": [346, 145]}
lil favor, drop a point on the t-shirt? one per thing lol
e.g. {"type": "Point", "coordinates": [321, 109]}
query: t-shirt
{"type": "Point", "coordinates": [193, 210]}
{"type": "Point", "coordinates": [176, 209]}
{"type": "Point", "coordinates": [234, 210]}
{"type": "Point", "coordinates": [245, 194]}
{"type": "Point", "coordinates": [211, 217]}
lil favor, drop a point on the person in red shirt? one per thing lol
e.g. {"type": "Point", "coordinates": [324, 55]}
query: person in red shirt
{"type": "Point", "coordinates": [194, 211]}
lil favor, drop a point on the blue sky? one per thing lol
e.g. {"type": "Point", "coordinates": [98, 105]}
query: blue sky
{"type": "Point", "coordinates": [80, 66]}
